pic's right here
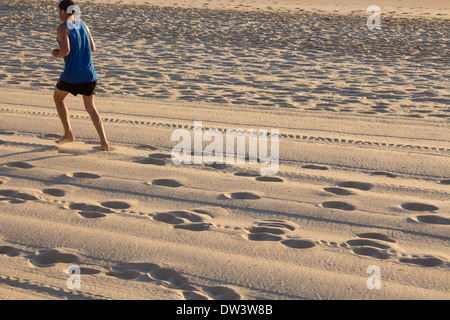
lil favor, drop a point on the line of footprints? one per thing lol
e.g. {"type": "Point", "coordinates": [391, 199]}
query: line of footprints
{"type": "Point", "coordinates": [377, 246]}
{"type": "Point", "coordinates": [342, 189]}
{"type": "Point", "coordinates": [143, 272]}
{"type": "Point", "coordinates": [95, 211]}
{"type": "Point", "coordinates": [369, 244]}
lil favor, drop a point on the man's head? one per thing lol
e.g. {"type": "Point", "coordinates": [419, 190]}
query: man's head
{"type": "Point", "coordinates": [63, 6]}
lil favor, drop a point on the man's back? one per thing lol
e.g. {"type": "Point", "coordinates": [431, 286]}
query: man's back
{"type": "Point", "coordinates": [78, 64]}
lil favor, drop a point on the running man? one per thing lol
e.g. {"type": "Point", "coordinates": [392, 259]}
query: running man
{"type": "Point", "coordinates": [79, 76]}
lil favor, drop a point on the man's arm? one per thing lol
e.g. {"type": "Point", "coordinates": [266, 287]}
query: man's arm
{"type": "Point", "coordinates": [64, 42]}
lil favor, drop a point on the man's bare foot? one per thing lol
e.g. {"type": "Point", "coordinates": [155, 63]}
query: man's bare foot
{"type": "Point", "coordinates": [105, 146]}
{"type": "Point", "coordinates": [65, 139]}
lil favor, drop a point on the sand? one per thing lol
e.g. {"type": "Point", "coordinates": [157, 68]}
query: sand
{"type": "Point", "coordinates": [364, 145]}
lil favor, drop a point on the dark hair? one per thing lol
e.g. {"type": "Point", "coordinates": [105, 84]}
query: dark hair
{"type": "Point", "coordinates": [64, 4]}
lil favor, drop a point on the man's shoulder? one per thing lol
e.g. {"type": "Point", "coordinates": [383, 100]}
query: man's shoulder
{"type": "Point", "coordinates": [62, 28]}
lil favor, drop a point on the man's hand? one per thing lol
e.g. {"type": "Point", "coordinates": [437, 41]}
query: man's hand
{"type": "Point", "coordinates": [55, 53]}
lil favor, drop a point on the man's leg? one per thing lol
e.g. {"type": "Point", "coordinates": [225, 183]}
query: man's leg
{"type": "Point", "coordinates": [61, 107]}
{"type": "Point", "coordinates": [93, 113]}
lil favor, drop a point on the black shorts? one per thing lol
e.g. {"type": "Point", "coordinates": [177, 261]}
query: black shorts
{"type": "Point", "coordinates": [86, 88]}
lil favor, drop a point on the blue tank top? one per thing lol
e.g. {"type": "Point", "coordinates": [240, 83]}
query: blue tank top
{"type": "Point", "coordinates": [78, 64]}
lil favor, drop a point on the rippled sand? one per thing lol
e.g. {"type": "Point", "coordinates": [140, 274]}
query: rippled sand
{"type": "Point", "coordinates": [364, 146]}
{"type": "Point", "coordinates": [276, 59]}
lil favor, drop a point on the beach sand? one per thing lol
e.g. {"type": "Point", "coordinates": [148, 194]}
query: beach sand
{"type": "Point", "coordinates": [364, 145]}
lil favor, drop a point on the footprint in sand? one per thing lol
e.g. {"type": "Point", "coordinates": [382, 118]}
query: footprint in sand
{"type": "Point", "coordinates": [14, 196]}
{"type": "Point", "coordinates": [18, 164]}
{"type": "Point", "coordinates": [374, 245]}
{"type": "Point", "coordinates": [338, 205]}
{"type": "Point", "coordinates": [267, 231]}
{"type": "Point", "coordinates": [240, 196]}
{"type": "Point", "coordinates": [275, 230]}
{"type": "Point", "coordinates": [264, 236]}
{"type": "Point", "coordinates": [339, 191]}
{"type": "Point", "coordinates": [89, 271]}
{"type": "Point", "coordinates": [415, 206]}
{"type": "Point", "coordinates": [153, 161]}
{"type": "Point", "coordinates": [298, 243]}
{"type": "Point", "coordinates": [193, 221]}
{"type": "Point", "coordinates": [54, 192]}
{"type": "Point", "coordinates": [247, 174]}
{"type": "Point", "coordinates": [49, 258]}
{"type": "Point", "coordinates": [9, 251]}
{"type": "Point", "coordinates": [355, 185]}
{"type": "Point", "coordinates": [194, 226]}
{"type": "Point", "coordinates": [218, 166]}
{"type": "Point", "coordinates": [426, 261]}
{"type": "Point", "coordinates": [165, 183]}
{"type": "Point", "coordinates": [90, 211]}
{"type": "Point", "coordinates": [149, 271]}
{"type": "Point", "coordinates": [171, 279]}
{"type": "Point", "coordinates": [367, 242]}
{"type": "Point", "coordinates": [269, 179]}
{"type": "Point", "coordinates": [432, 219]}
{"type": "Point", "coordinates": [371, 252]}
{"type": "Point", "coordinates": [83, 175]}
{"type": "Point", "coordinates": [116, 204]}
{"type": "Point", "coordinates": [125, 275]}
{"type": "Point", "coordinates": [91, 214]}
{"type": "Point", "coordinates": [132, 271]}
{"type": "Point", "coordinates": [177, 217]}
